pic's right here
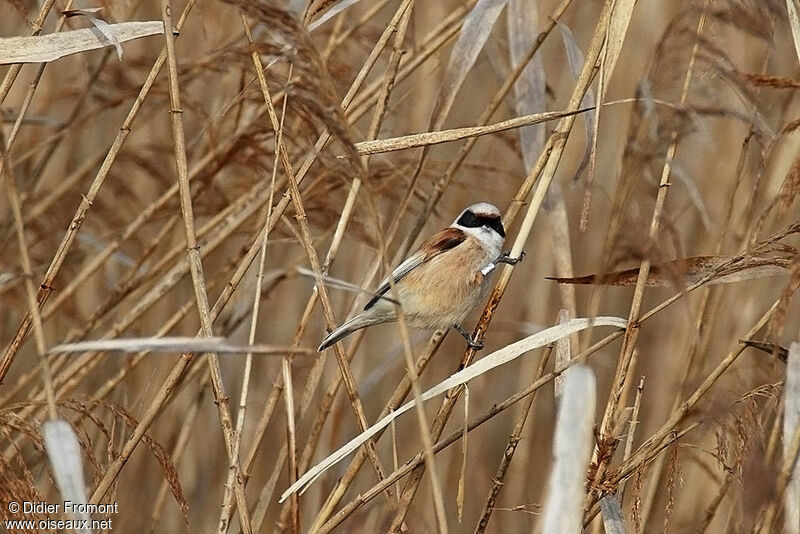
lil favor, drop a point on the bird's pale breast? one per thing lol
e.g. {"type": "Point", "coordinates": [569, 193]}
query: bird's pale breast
{"type": "Point", "coordinates": [444, 290]}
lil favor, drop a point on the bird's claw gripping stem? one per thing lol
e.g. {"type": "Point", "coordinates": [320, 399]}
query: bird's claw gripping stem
{"type": "Point", "coordinates": [472, 343]}
{"type": "Point", "coordinates": [505, 257]}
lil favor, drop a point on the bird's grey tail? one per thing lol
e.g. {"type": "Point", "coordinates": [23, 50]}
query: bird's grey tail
{"type": "Point", "coordinates": [356, 323]}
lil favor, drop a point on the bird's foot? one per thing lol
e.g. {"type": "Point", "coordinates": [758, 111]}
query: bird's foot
{"type": "Point", "coordinates": [474, 344]}
{"type": "Point", "coordinates": [505, 257]}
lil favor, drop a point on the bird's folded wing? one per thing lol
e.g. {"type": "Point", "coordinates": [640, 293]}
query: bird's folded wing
{"type": "Point", "coordinates": [438, 243]}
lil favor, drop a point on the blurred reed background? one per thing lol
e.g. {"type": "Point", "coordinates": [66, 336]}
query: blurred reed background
{"type": "Point", "coordinates": [693, 156]}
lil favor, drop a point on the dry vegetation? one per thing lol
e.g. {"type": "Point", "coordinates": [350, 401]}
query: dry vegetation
{"type": "Point", "coordinates": [690, 177]}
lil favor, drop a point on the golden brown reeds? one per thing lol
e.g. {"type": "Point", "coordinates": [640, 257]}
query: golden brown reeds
{"type": "Point", "coordinates": [216, 179]}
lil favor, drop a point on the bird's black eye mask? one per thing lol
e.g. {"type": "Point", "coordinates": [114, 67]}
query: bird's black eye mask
{"type": "Point", "coordinates": [470, 220]}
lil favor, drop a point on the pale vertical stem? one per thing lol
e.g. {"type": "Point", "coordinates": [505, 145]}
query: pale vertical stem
{"type": "Point", "coordinates": [563, 354]}
{"type": "Point", "coordinates": [27, 271]}
{"type": "Point", "coordinates": [632, 424]}
{"type": "Point", "coordinates": [632, 332]}
{"type": "Point", "coordinates": [195, 261]}
{"type": "Point", "coordinates": [572, 450]}
{"type": "Point", "coordinates": [791, 425]}
{"type": "Point", "coordinates": [788, 469]}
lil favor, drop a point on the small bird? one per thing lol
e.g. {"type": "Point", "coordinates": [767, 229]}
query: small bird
{"type": "Point", "coordinates": [441, 283]}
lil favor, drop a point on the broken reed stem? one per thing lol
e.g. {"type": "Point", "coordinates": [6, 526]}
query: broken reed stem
{"type": "Point", "coordinates": [406, 142]}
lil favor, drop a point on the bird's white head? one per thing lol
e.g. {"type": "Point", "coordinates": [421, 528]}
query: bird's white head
{"type": "Point", "coordinates": [483, 221]}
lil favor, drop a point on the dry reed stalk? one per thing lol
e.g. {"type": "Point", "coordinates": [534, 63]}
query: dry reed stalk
{"type": "Point", "coordinates": [546, 166]}
{"type": "Point", "coordinates": [27, 271]}
{"type": "Point", "coordinates": [513, 440]}
{"type": "Point", "coordinates": [86, 203]}
{"type": "Point", "coordinates": [286, 362]}
{"type": "Point", "coordinates": [398, 27]}
{"type": "Point", "coordinates": [196, 266]}
{"type": "Point", "coordinates": [629, 341]}
{"type": "Point", "coordinates": [498, 98]}
{"type": "Point", "coordinates": [427, 441]}
{"type": "Point", "coordinates": [343, 219]}
{"type": "Point", "coordinates": [123, 275]}
{"type": "Point", "coordinates": [426, 139]}
{"type": "Point", "coordinates": [35, 29]}
{"type": "Point", "coordinates": [321, 290]}
{"type": "Point", "coordinates": [572, 449]}
{"type": "Point", "coordinates": [399, 395]}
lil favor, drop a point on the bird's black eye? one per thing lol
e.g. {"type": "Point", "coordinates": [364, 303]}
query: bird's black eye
{"type": "Point", "coordinates": [469, 220]}
{"type": "Point", "coordinates": [496, 225]}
